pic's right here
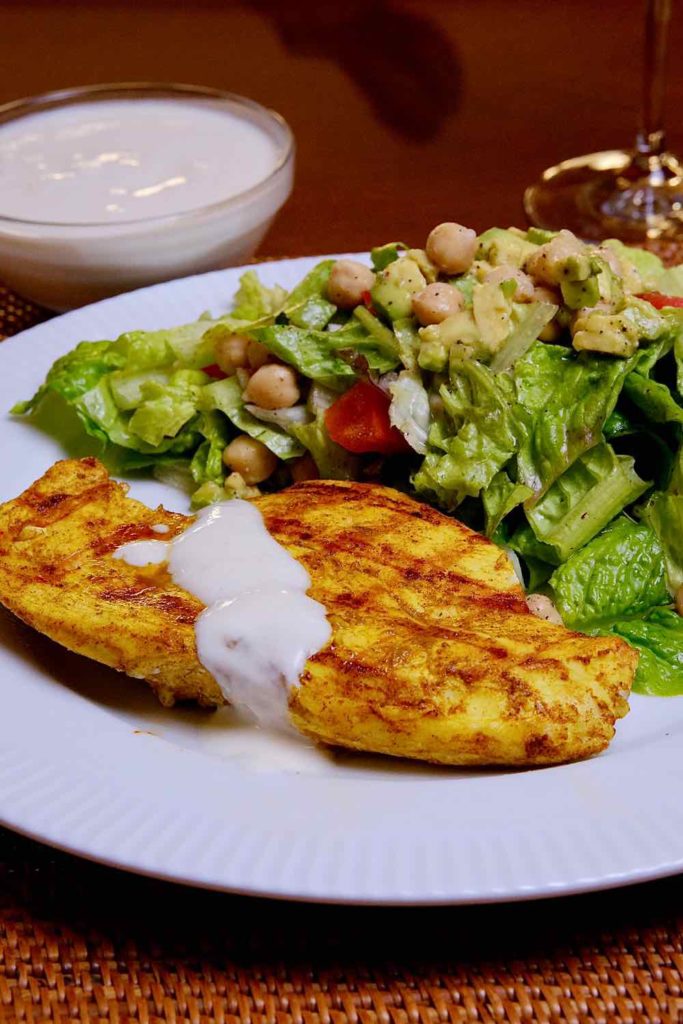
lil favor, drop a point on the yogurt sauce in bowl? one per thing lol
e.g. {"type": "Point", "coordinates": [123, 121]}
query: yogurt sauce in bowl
{"type": "Point", "coordinates": [110, 188]}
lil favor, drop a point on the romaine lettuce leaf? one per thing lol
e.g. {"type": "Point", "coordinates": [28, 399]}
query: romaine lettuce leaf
{"type": "Point", "coordinates": [591, 587]}
{"type": "Point", "coordinates": [569, 397]}
{"type": "Point", "coordinates": [525, 542]}
{"type": "Point", "coordinates": [658, 637]}
{"type": "Point", "coordinates": [226, 396]}
{"type": "Point", "coordinates": [207, 461]}
{"type": "Point", "coordinates": [75, 373]}
{"type": "Point", "coordinates": [307, 305]}
{"type": "Point", "coordinates": [253, 300]}
{"type": "Point", "coordinates": [333, 461]}
{"type": "Point", "coordinates": [312, 353]}
{"type": "Point", "coordinates": [499, 499]}
{"type": "Point", "coordinates": [486, 432]}
{"type": "Point", "coordinates": [654, 400]}
{"type": "Point", "coordinates": [664, 513]}
{"type": "Point", "coordinates": [597, 487]}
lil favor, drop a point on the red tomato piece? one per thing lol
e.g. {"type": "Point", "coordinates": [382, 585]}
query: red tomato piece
{"type": "Point", "coordinates": [367, 302]}
{"type": "Point", "coordinates": [659, 301]}
{"type": "Point", "coordinates": [359, 421]}
{"type": "Point", "coordinates": [215, 371]}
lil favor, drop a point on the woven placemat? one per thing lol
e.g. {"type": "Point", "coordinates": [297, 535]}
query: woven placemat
{"type": "Point", "coordinates": [81, 942]}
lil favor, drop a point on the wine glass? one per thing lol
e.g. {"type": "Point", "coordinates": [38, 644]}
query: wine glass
{"type": "Point", "coordinates": [634, 195]}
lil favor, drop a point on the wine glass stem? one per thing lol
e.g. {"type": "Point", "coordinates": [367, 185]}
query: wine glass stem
{"type": "Point", "coordinates": [650, 140]}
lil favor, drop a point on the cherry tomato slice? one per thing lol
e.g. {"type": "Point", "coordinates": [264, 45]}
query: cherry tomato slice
{"type": "Point", "coordinates": [660, 301]}
{"type": "Point", "coordinates": [359, 421]}
{"type": "Point", "coordinates": [215, 371]}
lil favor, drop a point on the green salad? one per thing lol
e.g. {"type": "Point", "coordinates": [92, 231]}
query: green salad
{"type": "Point", "coordinates": [524, 382]}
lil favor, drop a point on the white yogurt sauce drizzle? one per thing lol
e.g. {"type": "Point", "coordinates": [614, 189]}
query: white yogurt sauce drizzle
{"type": "Point", "coordinates": [259, 626]}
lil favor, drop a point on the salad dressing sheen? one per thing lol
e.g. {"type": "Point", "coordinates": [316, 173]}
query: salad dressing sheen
{"type": "Point", "coordinates": [259, 626]}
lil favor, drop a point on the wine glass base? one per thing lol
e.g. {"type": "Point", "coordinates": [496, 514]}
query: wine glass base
{"type": "Point", "coordinates": [613, 194]}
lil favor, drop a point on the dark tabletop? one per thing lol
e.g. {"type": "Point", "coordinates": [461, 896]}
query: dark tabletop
{"type": "Point", "coordinates": [405, 114]}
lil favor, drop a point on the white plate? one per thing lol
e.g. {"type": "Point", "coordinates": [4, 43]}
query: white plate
{"type": "Point", "coordinates": [90, 763]}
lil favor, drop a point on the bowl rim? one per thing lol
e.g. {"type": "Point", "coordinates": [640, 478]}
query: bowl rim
{"type": "Point", "coordinates": [269, 119]}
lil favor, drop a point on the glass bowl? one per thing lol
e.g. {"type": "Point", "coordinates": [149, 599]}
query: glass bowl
{"type": "Point", "coordinates": [64, 265]}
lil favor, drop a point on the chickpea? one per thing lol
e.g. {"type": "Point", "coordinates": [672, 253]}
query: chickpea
{"type": "Point", "coordinates": [543, 608]}
{"type": "Point", "coordinates": [257, 354]}
{"type": "Point", "coordinates": [348, 280]}
{"type": "Point", "coordinates": [250, 458]}
{"type": "Point", "coordinates": [505, 272]}
{"type": "Point", "coordinates": [452, 247]}
{"type": "Point", "coordinates": [304, 469]}
{"type": "Point", "coordinates": [273, 386]}
{"type": "Point", "coordinates": [436, 302]}
{"type": "Point", "coordinates": [679, 600]}
{"type": "Point", "coordinates": [231, 352]}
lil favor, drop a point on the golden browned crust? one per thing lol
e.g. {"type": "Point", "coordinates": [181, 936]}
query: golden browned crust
{"type": "Point", "coordinates": [57, 574]}
{"type": "Point", "coordinates": [434, 654]}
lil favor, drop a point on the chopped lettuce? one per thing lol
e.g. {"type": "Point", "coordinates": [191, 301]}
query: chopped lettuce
{"type": "Point", "coordinates": [333, 461]}
{"type": "Point", "coordinates": [486, 431]}
{"type": "Point", "coordinates": [226, 397]}
{"type": "Point", "coordinates": [499, 499]}
{"type": "Point", "coordinates": [658, 638]}
{"type": "Point", "coordinates": [664, 513]}
{"type": "Point", "coordinates": [654, 400]}
{"type": "Point", "coordinates": [254, 300]}
{"type": "Point", "coordinates": [307, 305]}
{"type": "Point", "coordinates": [591, 587]}
{"type": "Point", "coordinates": [527, 322]}
{"type": "Point", "coordinates": [597, 487]}
{"type": "Point", "coordinates": [569, 398]}
{"type": "Point", "coordinates": [310, 352]}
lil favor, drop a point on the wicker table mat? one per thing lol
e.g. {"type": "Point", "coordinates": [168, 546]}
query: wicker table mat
{"type": "Point", "coordinates": [80, 942]}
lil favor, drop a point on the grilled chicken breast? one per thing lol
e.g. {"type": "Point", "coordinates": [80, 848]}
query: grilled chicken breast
{"type": "Point", "coordinates": [434, 654]}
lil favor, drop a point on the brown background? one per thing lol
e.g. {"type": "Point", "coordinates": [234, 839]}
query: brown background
{"type": "Point", "coordinates": [405, 113]}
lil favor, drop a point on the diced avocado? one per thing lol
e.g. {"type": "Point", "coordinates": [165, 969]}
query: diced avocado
{"type": "Point", "coordinates": [647, 321]}
{"type": "Point", "coordinates": [612, 333]}
{"type": "Point", "coordinates": [457, 333]}
{"type": "Point", "coordinates": [383, 255]}
{"type": "Point", "coordinates": [492, 310]}
{"type": "Point", "coordinates": [433, 354]}
{"type": "Point", "coordinates": [577, 294]}
{"type": "Point", "coordinates": [394, 288]}
{"type": "Point", "coordinates": [498, 245]}
{"type": "Point", "coordinates": [563, 258]}
{"type": "Point", "coordinates": [429, 269]}
{"type": "Point", "coordinates": [539, 236]}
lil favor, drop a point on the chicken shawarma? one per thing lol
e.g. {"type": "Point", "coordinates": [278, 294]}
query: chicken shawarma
{"type": "Point", "coordinates": [433, 652]}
